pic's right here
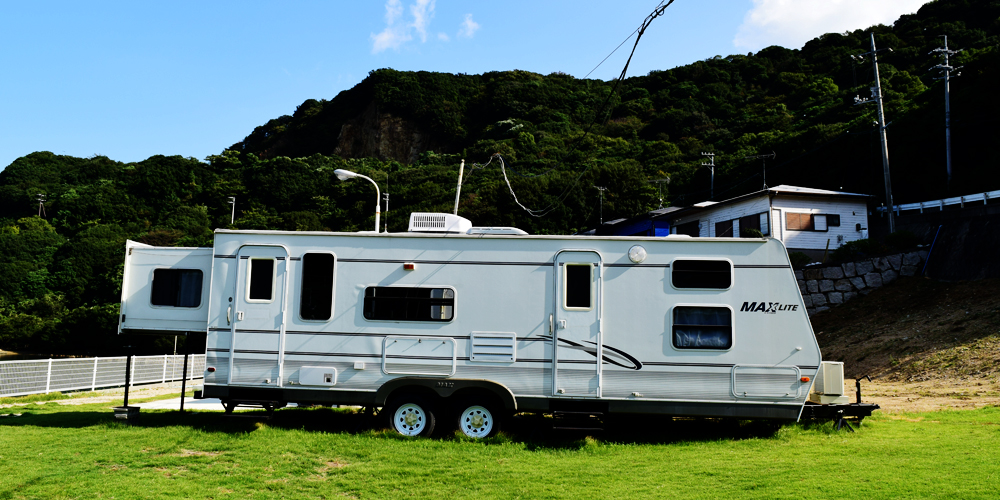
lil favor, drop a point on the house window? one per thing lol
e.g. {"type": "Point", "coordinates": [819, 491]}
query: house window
{"type": "Point", "coordinates": [316, 300]}
{"type": "Point", "coordinates": [702, 327]}
{"type": "Point", "coordinates": [798, 221]}
{"type": "Point", "coordinates": [811, 222]}
{"type": "Point", "coordinates": [755, 221]}
{"type": "Point", "coordinates": [176, 287]}
{"type": "Point", "coordinates": [712, 274]}
{"type": "Point", "coordinates": [688, 228]}
{"type": "Point", "coordinates": [403, 303]}
{"type": "Point", "coordinates": [579, 284]}
{"type": "Point", "coordinates": [724, 229]}
{"type": "Point", "coordinates": [260, 280]}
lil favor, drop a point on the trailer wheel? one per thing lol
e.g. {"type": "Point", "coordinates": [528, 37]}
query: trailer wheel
{"type": "Point", "coordinates": [411, 416]}
{"type": "Point", "coordinates": [478, 421]}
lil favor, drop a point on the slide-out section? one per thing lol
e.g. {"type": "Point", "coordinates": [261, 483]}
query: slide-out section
{"type": "Point", "coordinates": [165, 289]}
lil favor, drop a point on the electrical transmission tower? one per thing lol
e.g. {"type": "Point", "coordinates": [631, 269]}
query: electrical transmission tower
{"type": "Point", "coordinates": [763, 158]}
{"type": "Point", "coordinates": [877, 99]}
{"type": "Point", "coordinates": [947, 69]}
{"type": "Point", "coordinates": [41, 205]}
{"type": "Point", "coordinates": [711, 167]}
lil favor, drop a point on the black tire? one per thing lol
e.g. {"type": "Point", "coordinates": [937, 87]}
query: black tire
{"type": "Point", "coordinates": [410, 416]}
{"type": "Point", "coordinates": [477, 418]}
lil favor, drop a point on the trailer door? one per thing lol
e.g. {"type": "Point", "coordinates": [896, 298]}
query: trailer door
{"type": "Point", "coordinates": [577, 338]}
{"type": "Point", "coordinates": [258, 331]}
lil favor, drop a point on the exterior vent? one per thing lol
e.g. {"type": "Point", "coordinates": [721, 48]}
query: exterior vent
{"type": "Point", "coordinates": [422, 222]}
{"type": "Point", "coordinates": [494, 347]}
{"type": "Point", "coordinates": [496, 230]}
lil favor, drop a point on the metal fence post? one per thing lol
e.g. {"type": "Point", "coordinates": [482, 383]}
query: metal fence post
{"type": "Point", "coordinates": [48, 377]}
{"type": "Point", "coordinates": [165, 368]}
{"type": "Point", "coordinates": [93, 382]}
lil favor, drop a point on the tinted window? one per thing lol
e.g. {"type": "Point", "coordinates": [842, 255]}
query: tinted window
{"type": "Point", "coordinates": [701, 274]}
{"type": "Point", "coordinates": [724, 229]}
{"type": "Point", "coordinates": [702, 328]}
{"type": "Point", "coordinates": [316, 301]}
{"type": "Point", "coordinates": [833, 220]}
{"type": "Point", "coordinates": [400, 303]}
{"type": "Point", "coordinates": [261, 279]}
{"type": "Point", "coordinates": [579, 279]}
{"type": "Point", "coordinates": [176, 287]}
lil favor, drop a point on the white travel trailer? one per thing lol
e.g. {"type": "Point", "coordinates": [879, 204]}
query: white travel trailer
{"type": "Point", "coordinates": [453, 324]}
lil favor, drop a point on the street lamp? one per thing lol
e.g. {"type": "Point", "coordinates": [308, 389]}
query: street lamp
{"type": "Point", "coordinates": [347, 174]}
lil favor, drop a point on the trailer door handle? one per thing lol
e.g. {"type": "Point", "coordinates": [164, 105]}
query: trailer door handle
{"type": "Point", "coordinates": [229, 314]}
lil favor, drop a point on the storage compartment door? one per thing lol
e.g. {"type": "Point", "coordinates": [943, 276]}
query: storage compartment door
{"type": "Point", "coordinates": [165, 289]}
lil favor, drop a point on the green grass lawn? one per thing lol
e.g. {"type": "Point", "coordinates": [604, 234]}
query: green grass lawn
{"type": "Point", "coordinates": [55, 451]}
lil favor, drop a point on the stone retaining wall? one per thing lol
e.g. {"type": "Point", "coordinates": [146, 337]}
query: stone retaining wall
{"type": "Point", "coordinates": [826, 286]}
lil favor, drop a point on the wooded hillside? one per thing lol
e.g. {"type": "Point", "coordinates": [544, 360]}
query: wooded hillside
{"type": "Point", "coordinates": [60, 274]}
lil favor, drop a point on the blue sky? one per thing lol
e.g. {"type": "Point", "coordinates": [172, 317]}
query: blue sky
{"type": "Point", "coordinates": [129, 80]}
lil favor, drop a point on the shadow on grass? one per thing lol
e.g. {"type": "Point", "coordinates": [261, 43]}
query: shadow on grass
{"type": "Point", "coordinates": [533, 431]}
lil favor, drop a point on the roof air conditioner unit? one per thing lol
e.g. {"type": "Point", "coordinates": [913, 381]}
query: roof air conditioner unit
{"type": "Point", "coordinates": [422, 222]}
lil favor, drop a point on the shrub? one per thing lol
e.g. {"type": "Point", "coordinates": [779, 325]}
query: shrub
{"type": "Point", "coordinates": [901, 240]}
{"type": "Point", "coordinates": [854, 250]}
{"type": "Point", "coordinates": [749, 232]}
{"type": "Point", "coordinates": [799, 260]}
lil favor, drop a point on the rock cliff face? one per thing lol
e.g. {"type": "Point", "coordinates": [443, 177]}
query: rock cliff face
{"type": "Point", "coordinates": [382, 136]}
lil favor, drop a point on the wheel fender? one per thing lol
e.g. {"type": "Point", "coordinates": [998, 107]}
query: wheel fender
{"type": "Point", "coordinates": [445, 388]}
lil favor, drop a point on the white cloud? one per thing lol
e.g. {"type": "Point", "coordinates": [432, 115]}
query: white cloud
{"type": "Point", "coordinates": [791, 23]}
{"type": "Point", "coordinates": [468, 28]}
{"type": "Point", "coordinates": [443, 37]}
{"type": "Point", "coordinates": [423, 12]}
{"type": "Point", "coordinates": [394, 34]}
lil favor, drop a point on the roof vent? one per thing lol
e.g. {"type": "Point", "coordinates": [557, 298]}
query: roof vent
{"type": "Point", "coordinates": [422, 222]}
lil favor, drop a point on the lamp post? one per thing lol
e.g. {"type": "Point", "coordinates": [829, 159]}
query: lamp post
{"type": "Point", "coordinates": [347, 174]}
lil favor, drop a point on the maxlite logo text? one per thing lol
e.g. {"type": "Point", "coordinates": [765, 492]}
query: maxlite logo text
{"type": "Point", "coordinates": [767, 307]}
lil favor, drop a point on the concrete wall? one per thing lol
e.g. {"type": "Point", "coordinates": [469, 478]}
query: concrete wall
{"type": "Point", "coordinates": [824, 287]}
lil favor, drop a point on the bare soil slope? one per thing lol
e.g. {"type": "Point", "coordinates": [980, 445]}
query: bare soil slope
{"type": "Point", "coordinates": [917, 330]}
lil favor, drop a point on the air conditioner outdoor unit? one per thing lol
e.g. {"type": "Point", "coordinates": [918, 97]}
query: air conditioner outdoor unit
{"type": "Point", "coordinates": [423, 222]}
{"type": "Point", "coordinates": [828, 388]}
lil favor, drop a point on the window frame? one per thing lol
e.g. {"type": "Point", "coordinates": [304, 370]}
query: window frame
{"type": "Point", "coordinates": [274, 279]}
{"type": "Point", "coordinates": [454, 304]}
{"type": "Point", "coordinates": [732, 328]}
{"type": "Point", "coordinates": [201, 302]}
{"type": "Point", "coordinates": [333, 284]}
{"type": "Point", "coordinates": [732, 273]}
{"type": "Point", "coordinates": [565, 286]}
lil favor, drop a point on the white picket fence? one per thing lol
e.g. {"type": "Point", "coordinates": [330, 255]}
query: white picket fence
{"type": "Point", "coordinates": [42, 376]}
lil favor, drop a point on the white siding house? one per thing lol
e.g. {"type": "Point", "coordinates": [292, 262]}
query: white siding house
{"type": "Point", "coordinates": [804, 219]}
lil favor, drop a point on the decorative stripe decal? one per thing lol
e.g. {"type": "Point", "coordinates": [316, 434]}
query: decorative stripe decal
{"type": "Point", "coordinates": [224, 256]}
{"type": "Point", "coordinates": [637, 265]}
{"type": "Point", "coordinates": [460, 262]}
{"type": "Point", "coordinates": [761, 266]}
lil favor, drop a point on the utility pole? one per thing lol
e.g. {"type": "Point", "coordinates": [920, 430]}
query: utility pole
{"type": "Point", "coordinates": [232, 217]}
{"type": "Point", "coordinates": [943, 51]}
{"type": "Point", "coordinates": [41, 205]}
{"type": "Point", "coordinates": [711, 166]}
{"type": "Point", "coordinates": [659, 187]}
{"type": "Point", "coordinates": [602, 190]}
{"type": "Point", "coordinates": [763, 159]}
{"type": "Point", "coordinates": [877, 98]}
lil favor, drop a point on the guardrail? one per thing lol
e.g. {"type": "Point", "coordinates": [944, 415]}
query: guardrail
{"type": "Point", "coordinates": [940, 204]}
{"type": "Point", "coordinates": [42, 376]}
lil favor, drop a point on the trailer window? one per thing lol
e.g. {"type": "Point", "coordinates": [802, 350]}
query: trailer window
{"type": "Point", "coordinates": [579, 286]}
{"type": "Point", "coordinates": [176, 287]}
{"type": "Point", "coordinates": [702, 327]}
{"type": "Point", "coordinates": [401, 303]}
{"type": "Point", "coordinates": [260, 280]}
{"type": "Point", "coordinates": [714, 274]}
{"type": "Point", "coordinates": [316, 301]}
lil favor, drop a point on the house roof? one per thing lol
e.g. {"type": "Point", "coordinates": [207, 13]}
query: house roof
{"type": "Point", "coordinates": [782, 190]}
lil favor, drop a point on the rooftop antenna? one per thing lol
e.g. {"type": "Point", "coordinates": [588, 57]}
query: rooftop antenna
{"type": "Point", "coordinates": [602, 190]}
{"type": "Point", "coordinates": [232, 216]}
{"type": "Point", "coordinates": [763, 159]}
{"type": "Point", "coordinates": [458, 188]}
{"type": "Point", "coordinates": [877, 99]}
{"type": "Point", "coordinates": [41, 205]}
{"type": "Point", "coordinates": [385, 196]}
{"type": "Point", "coordinates": [947, 69]}
{"type": "Point", "coordinates": [659, 187]}
{"type": "Point", "coordinates": [711, 166]}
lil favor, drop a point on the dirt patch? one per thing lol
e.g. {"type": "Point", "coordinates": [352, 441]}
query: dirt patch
{"type": "Point", "coordinates": [932, 395]}
{"type": "Point", "coordinates": [917, 330]}
{"type": "Point", "coordinates": [196, 453]}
